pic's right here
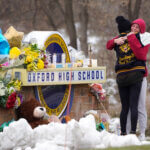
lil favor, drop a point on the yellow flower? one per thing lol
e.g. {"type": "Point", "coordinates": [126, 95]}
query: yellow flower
{"type": "Point", "coordinates": [35, 54]}
{"type": "Point", "coordinates": [29, 59]}
{"type": "Point", "coordinates": [40, 64]}
{"type": "Point", "coordinates": [14, 52]}
{"type": "Point", "coordinates": [26, 50]}
{"type": "Point", "coordinates": [32, 66]}
{"type": "Point", "coordinates": [17, 85]}
{"type": "Point", "coordinates": [29, 67]}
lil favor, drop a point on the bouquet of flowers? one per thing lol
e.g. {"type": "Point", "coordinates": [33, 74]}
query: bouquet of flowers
{"type": "Point", "coordinates": [30, 57]}
{"type": "Point", "coordinates": [34, 57]}
{"type": "Point", "coordinates": [9, 95]}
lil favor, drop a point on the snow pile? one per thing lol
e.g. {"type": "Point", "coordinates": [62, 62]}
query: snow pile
{"type": "Point", "coordinates": [114, 125]}
{"type": "Point", "coordinates": [18, 134]}
{"type": "Point", "coordinates": [82, 134]}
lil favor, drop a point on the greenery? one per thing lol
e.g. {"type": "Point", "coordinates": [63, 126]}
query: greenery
{"type": "Point", "coordinates": [145, 147]}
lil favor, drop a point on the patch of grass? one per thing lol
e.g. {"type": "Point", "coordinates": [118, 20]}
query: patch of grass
{"type": "Point", "coordinates": [145, 147]}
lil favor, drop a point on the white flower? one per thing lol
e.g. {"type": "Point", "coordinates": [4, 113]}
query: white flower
{"type": "Point", "coordinates": [2, 89]}
{"type": "Point", "coordinates": [11, 90]}
{"type": "Point", "coordinates": [1, 84]}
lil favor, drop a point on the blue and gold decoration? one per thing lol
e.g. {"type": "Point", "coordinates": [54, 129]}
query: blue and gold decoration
{"type": "Point", "coordinates": [56, 97]}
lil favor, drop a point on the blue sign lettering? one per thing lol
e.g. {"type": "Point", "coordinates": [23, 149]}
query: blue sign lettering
{"type": "Point", "coordinates": [88, 75]}
{"type": "Point", "coordinates": [63, 76]}
{"type": "Point", "coordinates": [79, 75]}
{"type": "Point", "coordinates": [93, 74]}
{"type": "Point", "coordinates": [52, 76]}
{"type": "Point", "coordinates": [29, 77]}
{"type": "Point", "coordinates": [84, 75]}
{"type": "Point", "coordinates": [60, 76]}
{"type": "Point", "coordinates": [97, 74]}
{"type": "Point", "coordinates": [38, 76]}
{"type": "Point", "coordinates": [47, 76]}
{"type": "Point", "coordinates": [43, 76]}
{"type": "Point", "coordinates": [34, 80]}
{"type": "Point", "coordinates": [72, 75]}
{"type": "Point", "coordinates": [101, 75]}
{"type": "Point", "coordinates": [67, 76]}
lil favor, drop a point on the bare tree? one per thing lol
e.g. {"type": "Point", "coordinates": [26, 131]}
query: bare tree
{"type": "Point", "coordinates": [83, 15]}
{"type": "Point", "coordinates": [69, 19]}
{"type": "Point", "coordinates": [66, 16]}
{"type": "Point", "coordinates": [35, 14]}
{"type": "Point", "coordinates": [134, 13]}
{"type": "Point", "coordinates": [48, 13]}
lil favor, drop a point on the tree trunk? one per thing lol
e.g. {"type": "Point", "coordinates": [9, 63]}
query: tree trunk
{"type": "Point", "coordinates": [83, 28]}
{"type": "Point", "coordinates": [48, 14]}
{"type": "Point", "coordinates": [134, 14]}
{"type": "Point", "coordinates": [69, 19]}
{"type": "Point", "coordinates": [35, 14]}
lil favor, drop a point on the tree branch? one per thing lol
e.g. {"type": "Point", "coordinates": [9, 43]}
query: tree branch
{"type": "Point", "coordinates": [46, 11]}
{"type": "Point", "coordinates": [60, 7]}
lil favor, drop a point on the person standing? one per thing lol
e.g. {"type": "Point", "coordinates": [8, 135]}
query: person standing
{"type": "Point", "coordinates": [130, 71]}
{"type": "Point", "coordinates": [139, 26]}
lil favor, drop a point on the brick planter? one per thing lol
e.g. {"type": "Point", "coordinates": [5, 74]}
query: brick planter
{"type": "Point", "coordinates": [83, 101]}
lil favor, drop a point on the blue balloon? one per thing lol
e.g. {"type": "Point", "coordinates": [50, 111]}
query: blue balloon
{"type": "Point", "coordinates": [4, 45]}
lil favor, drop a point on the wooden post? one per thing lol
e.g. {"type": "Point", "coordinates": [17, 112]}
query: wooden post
{"type": "Point", "coordinates": [90, 56]}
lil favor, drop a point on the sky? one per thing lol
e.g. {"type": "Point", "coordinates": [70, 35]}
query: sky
{"type": "Point", "coordinates": [73, 135]}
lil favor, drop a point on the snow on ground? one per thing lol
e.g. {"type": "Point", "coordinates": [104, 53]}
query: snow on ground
{"type": "Point", "coordinates": [56, 136]}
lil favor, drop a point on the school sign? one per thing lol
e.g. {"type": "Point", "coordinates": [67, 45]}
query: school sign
{"type": "Point", "coordinates": [61, 76]}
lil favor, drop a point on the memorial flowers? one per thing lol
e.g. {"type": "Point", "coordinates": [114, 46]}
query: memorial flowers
{"type": "Point", "coordinates": [40, 64]}
{"type": "Point", "coordinates": [29, 57]}
{"type": "Point", "coordinates": [14, 53]}
{"type": "Point", "coordinates": [33, 58]}
{"type": "Point", "coordinates": [11, 100]}
{"type": "Point", "coordinates": [9, 93]}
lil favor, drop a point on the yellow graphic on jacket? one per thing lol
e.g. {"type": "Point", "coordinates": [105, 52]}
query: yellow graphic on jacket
{"type": "Point", "coordinates": [124, 47]}
{"type": "Point", "coordinates": [127, 59]}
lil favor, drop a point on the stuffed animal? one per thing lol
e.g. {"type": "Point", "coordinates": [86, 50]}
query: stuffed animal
{"type": "Point", "coordinates": [14, 37]}
{"type": "Point", "coordinates": [33, 112]}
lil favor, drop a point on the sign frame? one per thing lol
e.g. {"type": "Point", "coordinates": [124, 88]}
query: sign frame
{"type": "Point", "coordinates": [39, 78]}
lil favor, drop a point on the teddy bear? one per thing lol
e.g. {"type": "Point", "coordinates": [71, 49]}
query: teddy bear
{"type": "Point", "coordinates": [14, 37]}
{"type": "Point", "coordinates": [33, 112]}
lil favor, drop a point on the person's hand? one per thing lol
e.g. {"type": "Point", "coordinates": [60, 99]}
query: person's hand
{"type": "Point", "coordinates": [119, 41]}
{"type": "Point", "coordinates": [130, 33]}
{"type": "Point", "coordinates": [124, 38]}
